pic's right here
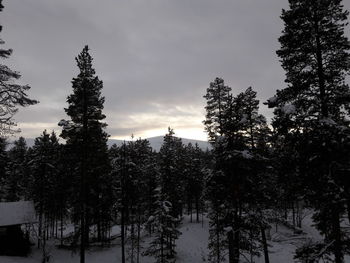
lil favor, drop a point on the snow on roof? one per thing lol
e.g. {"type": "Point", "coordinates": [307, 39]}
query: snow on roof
{"type": "Point", "coordinates": [17, 213]}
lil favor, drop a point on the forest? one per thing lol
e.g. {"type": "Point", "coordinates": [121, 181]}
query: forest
{"type": "Point", "coordinates": [258, 176]}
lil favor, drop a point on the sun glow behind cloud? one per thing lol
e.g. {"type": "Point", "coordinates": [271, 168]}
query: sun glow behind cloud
{"type": "Point", "coordinates": [188, 133]}
{"type": "Point", "coordinates": [185, 120]}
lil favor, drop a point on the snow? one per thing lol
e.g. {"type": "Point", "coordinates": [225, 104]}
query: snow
{"type": "Point", "coordinates": [328, 121]}
{"type": "Point", "coordinates": [150, 219]}
{"type": "Point", "coordinates": [271, 102]}
{"type": "Point", "coordinates": [243, 119]}
{"type": "Point", "coordinates": [62, 123]}
{"type": "Point", "coordinates": [272, 99]}
{"type": "Point", "coordinates": [288, 109]}
{"type": "Point", "coordinates": [191, 246]}
{"type": "Point", "coordinates": [246, 154]}
{"type": "Point", "coordinates": [228, 229]}
{"type": "Point", "coordinates": [17, 213]}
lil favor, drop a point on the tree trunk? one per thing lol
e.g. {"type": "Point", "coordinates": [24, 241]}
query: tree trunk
{"type": "Point", "coordinates": [162, 247]}
{"type": "Point", "coordinates": [231, 247]}
{"type": "Point", "coordinates": [338, 252]}
{"type": "Point", "coordinates": [348, 208]}
{"type": "Point", "coordinates": [218, 248]}
{"type": "Point", "coordinates": [123, 201]}
{"type": "Point", "coordinates": [236, 240]}
{"type": "Point", "coordinates": [83, 179]}
{"type": "Point", "coordinates": [138, 238]}
{"type": "Point", "coordinates": [197, 209]}
{"type": "Point", "coordinates": [320, 70]}
{"type": "Point", "coordinates": [61, 228]}
{"type": "Point", "coordinates": [40, 226]}
{"type": "Point", "coordinates": [122, 227]}
{"type": "Point", "coordinates": [293, 211]}
{"type": "Point", "coordinates": [264, 243]}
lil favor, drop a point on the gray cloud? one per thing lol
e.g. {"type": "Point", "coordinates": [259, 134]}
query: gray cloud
{"type": "Point", "coordinates": [156, 57]}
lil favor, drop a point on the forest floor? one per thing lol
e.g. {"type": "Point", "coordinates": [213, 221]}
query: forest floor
{"type": "Point", "coordinates": [191, 246]}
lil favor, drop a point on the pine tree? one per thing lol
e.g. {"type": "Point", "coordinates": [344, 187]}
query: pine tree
{"type": "Point", "coordinates": [311, 111]}
{"type": "Point", "coordinates": [63, 190]}
{"type": "Point", "coordinates": [238, 146]}
{"type": "Point", "coordinates": [3, 162]}
{"type": "Point", "coordinates": [193, 178]}
{"type": "Point", "coordinates": [218, 97]}
{"type": "Point", "coordinates": [42, 186]}
{"type": "Point", "coordinates": [315, 54]}
{"type": "Point", "coordinates": [171, 170]}
{"type": "Point", "coordinates": [85, 136]}
{"type": "Point", "coordinates": [12, 95]}
{"type": "Point", "coordinates": [17, 176]}
{"type": "Point", "coordinates": [221, 124]}
{"type": "Point", "coordinates": [215, 193]}
{"type": "Point", "coordinates": [132, 165]}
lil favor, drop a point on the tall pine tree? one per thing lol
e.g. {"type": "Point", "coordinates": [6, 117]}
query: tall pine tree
{"type": "Point", "coordinates": [312, 108]}
{"type": "Point", "coordinates": [86, 138]}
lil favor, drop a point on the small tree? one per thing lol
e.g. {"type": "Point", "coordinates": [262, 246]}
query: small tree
{"type": "Point", "coordinates": [162, 247]}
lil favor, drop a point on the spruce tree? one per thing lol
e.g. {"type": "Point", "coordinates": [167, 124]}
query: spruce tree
{"type": "Point", "coordinates": [86, 138]}
{"type": "Point", "coordinates": [162, 246]}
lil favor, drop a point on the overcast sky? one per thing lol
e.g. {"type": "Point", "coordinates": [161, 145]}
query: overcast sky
{"type": "Point", "coordinates": [155, 57]}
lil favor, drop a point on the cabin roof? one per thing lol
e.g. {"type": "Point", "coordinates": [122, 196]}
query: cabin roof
{"type": "Point", "coordinates": [17, 213]}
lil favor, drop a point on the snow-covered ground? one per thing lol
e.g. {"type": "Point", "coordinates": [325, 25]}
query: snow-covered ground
{"type": "Point", "coordinates": [191, 246]}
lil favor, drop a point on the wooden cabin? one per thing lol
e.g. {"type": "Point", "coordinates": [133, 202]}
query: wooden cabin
{"type": "Point", "coordinates": [15, 217]}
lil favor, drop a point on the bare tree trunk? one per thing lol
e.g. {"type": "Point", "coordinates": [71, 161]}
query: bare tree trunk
{"type": "Point", "coordinates": [83, 179]}
{"type": "Point", "coordinates": [231, 248]}
{"type": "Point", "coordinates": [197, 210]}
{"type": "Point", "coordinates": [320, 69]}
{"type": "Point", "coordinates": [123, 207]}
{"type": "Point", "coordinates": [348, 208]}
{"type": "Point", "coordinates": [264, 243]}
{"type": "Point", "coordinates": [61, 228]}
{"type": "Point", "coordinates": [218, 249]}
{"type": "Point", "coordinates": [338, 253]}
{"type": "Point", "coordinates": [138, 238]}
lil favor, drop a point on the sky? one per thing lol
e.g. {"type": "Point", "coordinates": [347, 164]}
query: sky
{"type": "Point", "coordinates": [156, 58]}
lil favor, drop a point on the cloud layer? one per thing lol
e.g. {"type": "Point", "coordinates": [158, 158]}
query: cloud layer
{"type": "Point", "coordinates": [156, 57]}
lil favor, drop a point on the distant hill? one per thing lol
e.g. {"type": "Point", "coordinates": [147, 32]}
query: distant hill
{"type": "Point", "coordinates": [156, 142]}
